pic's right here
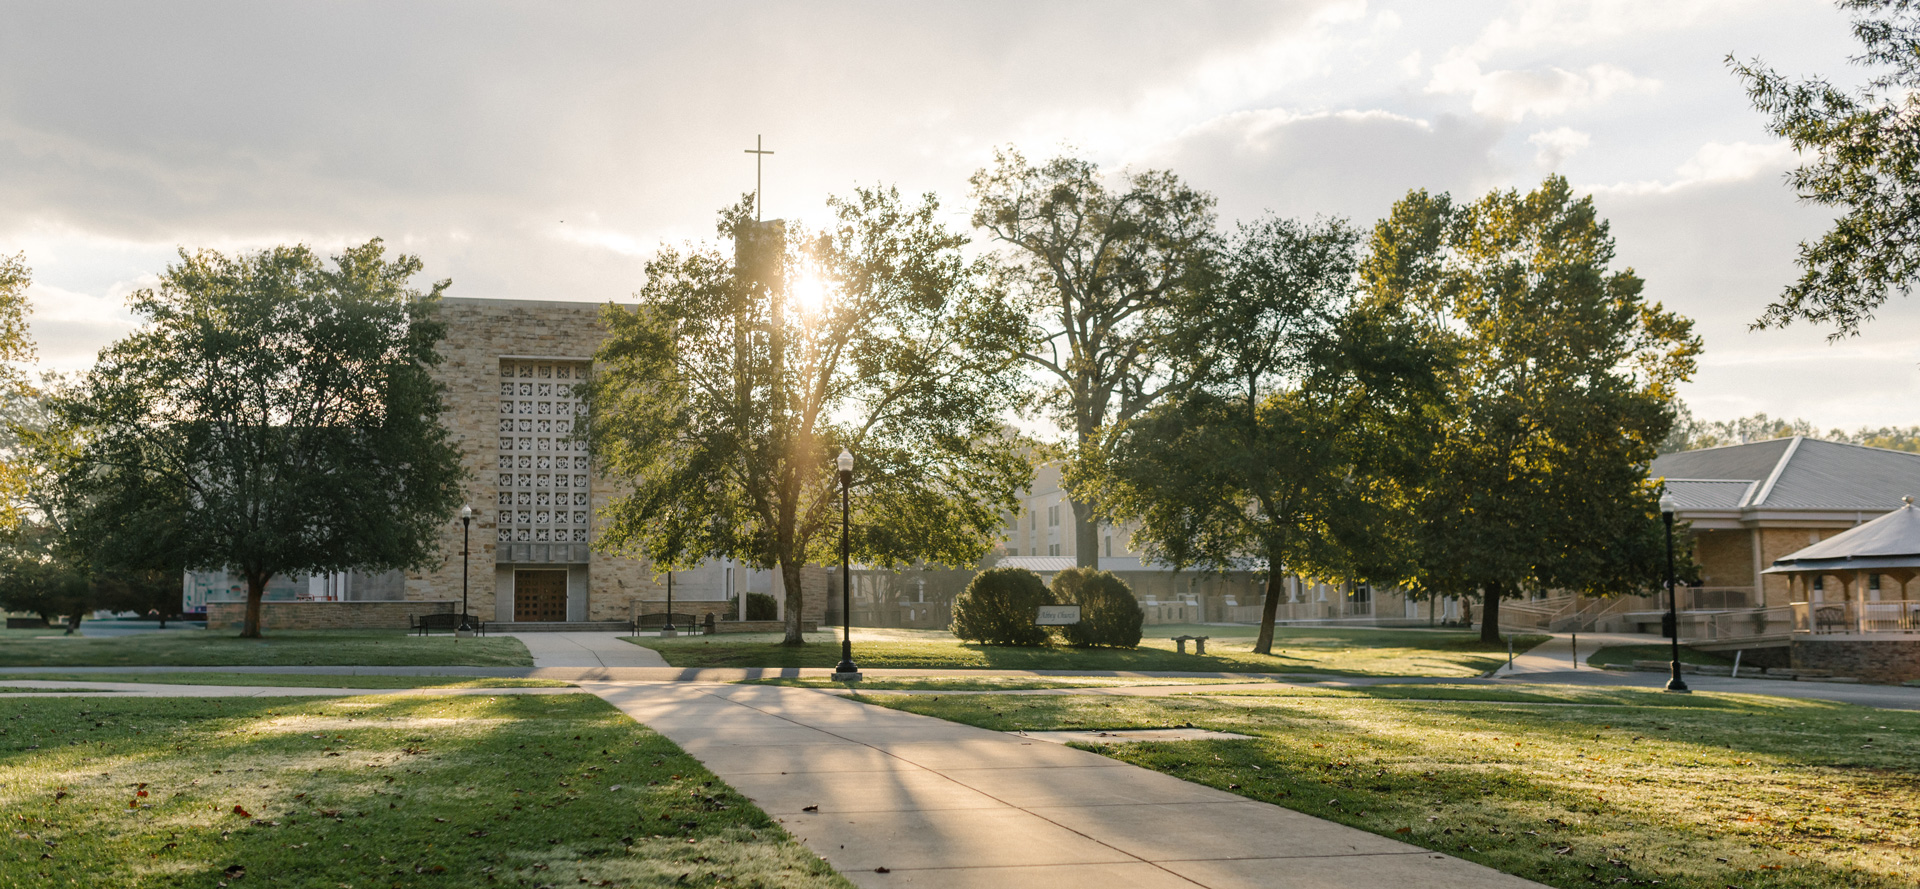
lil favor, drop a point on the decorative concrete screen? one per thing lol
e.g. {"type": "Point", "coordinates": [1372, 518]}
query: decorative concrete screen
{"type": "Point", "coordinates": [543, 474]}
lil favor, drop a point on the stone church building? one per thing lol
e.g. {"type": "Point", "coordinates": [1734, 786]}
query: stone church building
{"type": "Point", "coordinates": [509, 367]}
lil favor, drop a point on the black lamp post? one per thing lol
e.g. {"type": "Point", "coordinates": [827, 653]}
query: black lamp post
{"type": "Point", "coordinates": [466, 537]}
{"type": "Point", "coordinates": [667, 628]}
{"type": "Point", "coordinates": [1674, 682]}
{"type": "Point", "coordinates": [846, 671]}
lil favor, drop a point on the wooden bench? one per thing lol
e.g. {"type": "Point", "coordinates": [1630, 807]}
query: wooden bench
{"type": "Point", "coordinates": [425, 624]}
{"type": "Point", "coordinates": [1199, 643]}
{"type": "Point", "coordinates": [683, 622]}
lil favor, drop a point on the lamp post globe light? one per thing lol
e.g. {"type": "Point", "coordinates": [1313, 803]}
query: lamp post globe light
{"type": "Point", "coordinates": [846, 671]}
{"type": "Point", "coordinates": [466, 538]}
{"type": "Point", "coordinates": [1674, 682]}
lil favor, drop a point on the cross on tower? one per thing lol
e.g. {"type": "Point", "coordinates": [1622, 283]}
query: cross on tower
{"type": "Point", "coordinates": [759, 154]}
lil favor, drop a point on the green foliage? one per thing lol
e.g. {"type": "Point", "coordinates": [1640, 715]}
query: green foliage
{"type": "Point", "coordinates": [1689, 433]}
{"type": "Point", "coordinates": [16, 397]}
{"type": "Point", "coordinates": [1863, 163]}
{"type": "Point", "coordinates": [1095, 273]}
{"type": "Point", "coordinates": [999, 608]}
{"type": "Point", "coordinates": [1110, 617]}
{"type": "Point", "coordinates": [33, 578]}
{"type": "Point", "coordinates": [1561, 393]}
{"type": "Point", "coordinates": [760, 606]}
{"type": "Point", "coordinates": [720, 403]}
{"type": "Point", "coordinates": [1301, 435]}
{"type": "Point", "coordinates": [273, 414]}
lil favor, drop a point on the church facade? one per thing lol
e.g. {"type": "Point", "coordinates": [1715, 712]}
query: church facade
{"type": "Point", "coordinates": [510, 368]}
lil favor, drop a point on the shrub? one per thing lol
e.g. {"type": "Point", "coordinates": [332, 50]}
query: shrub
{"type": "Point", "coordinates": [760, 606]}
{"type": "Point", "coordinates": [999, 607]}
{"type": "Point", "coordinates": [1109, 615]}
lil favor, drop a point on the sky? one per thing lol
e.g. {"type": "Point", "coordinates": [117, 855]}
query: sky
{"type": "Point", "coordinates": [544, 151]}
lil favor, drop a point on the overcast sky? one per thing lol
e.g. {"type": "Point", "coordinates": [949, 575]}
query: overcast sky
{"type": "Point", "coordinates": [542, 151]}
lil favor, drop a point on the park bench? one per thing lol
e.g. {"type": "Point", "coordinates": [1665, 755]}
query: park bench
{"type": "Point", "coordinates": [1830, 619]}
{"type": "Point", "coordinates": [1199, 643]}
{"type": "Point", "coordinates": [26, 623]}
{"type": "Point", "coordinates": [425, 624]}
{"type": "Point", "coordinates": [683, 622]}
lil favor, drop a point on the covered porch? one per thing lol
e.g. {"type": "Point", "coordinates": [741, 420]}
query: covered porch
{"type": "Point", "coordinates": [1861, 582]}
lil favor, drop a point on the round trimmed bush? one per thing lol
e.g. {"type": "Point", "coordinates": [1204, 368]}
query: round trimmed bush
{"type": "Point", "coordinates": [760, 606]}
{"type": "Point", "coordinates": [1109, 615]}
{"type": "Point", "coordinates": [999, 608]}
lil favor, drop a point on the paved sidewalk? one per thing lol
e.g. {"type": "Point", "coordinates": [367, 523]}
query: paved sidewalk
{"type": "Point", "coordinates": [70, 688]}
{"type": "Point", "coordinates": [895, 799]}
{"type": "Point", "coordinates": [1557, 654]}
{"type": "Point", "coordinates": [587, 650]}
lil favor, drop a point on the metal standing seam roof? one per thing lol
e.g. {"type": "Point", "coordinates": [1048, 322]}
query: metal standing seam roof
{"type": "Point", "coordinates": [1790, 473]}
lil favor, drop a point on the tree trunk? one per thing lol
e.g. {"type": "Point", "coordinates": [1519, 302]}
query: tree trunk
{"type": "Point", "coordinates": [1086, 534]}
{"type": "Point", "coordinates": [790, 578]}
{"type": "Point", "coordinates": [1276, 581]}
{"type": "Point", "coordinates": [1490, 612]}
{"type": "Point", "coordinates": [256, 592]}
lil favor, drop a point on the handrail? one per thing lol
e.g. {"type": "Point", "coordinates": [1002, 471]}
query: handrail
{"type": "Point", "coordinates": [1848, 616]}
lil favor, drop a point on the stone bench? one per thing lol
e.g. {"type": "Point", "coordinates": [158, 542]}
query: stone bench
{"type": "Point", "coordinates": [1199, 643]}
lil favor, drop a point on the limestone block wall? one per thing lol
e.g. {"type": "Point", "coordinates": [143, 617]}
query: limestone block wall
{"type": "Point", "coordinates": [1874, 660]}
{"type": "Point", "coordinates": [1725, 556]}
{"type": "Point", "coordinates": [326, 615]}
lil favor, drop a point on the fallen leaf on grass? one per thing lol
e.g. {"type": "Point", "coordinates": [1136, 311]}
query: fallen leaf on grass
{"type": "Point", "coordinates": [242, 812]}
{"type": "Point", "coordinates": [234, 871]}
{"type": "Point", "coordinates": [810, 808]}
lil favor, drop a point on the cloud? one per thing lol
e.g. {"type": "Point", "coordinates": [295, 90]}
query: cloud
{"type": "Point", "coordinates": [1556, 145]}
{"type": "Point", "coordinates": [1542, 92]}
{"type": "Point", "coordinates": [1346, 163]}
{"type": "Point", "coordinates": [1715, 162]}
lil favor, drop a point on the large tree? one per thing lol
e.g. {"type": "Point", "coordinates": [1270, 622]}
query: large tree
{"type": "Point", "coordinates": [721, 400]}
{"type": "Point", "coordinates": [1094, 267]}
{"type": "Point", "coordinates": [1863, 147]}
{"type": "Point", "coordinates": [1563, 391]}
{"type": "Point", "coordinates": [273, 414]}
{"type": "Point", "coordinates": [18, 398]}
{"type": "Point", "coordinates": [1299, 439]}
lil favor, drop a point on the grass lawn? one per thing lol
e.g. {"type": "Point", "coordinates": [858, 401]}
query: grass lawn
{"type": "Point", "coordinates": [1625, 655]}
{"type": "Point", "coordinates": [1568, 786]}
{"type": "Point", "coordinates": [991, 683]}
{"type": "Point", "coordinates": [14, 690]}
{"type": "Point", "coordinates": [1344, 650]}
{"type": "Point", "coordinates": [281, 680]}
{"type": "Point", "coordinates": [305, 648]}
{"type": "Point", "coordinates": [556, 790]}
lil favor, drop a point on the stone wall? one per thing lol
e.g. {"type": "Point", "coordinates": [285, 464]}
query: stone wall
{"type": "Point", "coordinates": [326, 615]}
{"type": "Point", "coordinates": [480, 333]}
{"type": "Point", "coordinates": [1874, 660]}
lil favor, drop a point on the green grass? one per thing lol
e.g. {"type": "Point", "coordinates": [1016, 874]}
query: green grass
{"type": "Point", "coordinates": [412, 791]}
{"type": "Point", "coordinates": [304, 648]}
{"type": "Point", "coordinates": [991, 683]}
{"type": "Point", "coordinates": [1625, 655]}
{"type": "Point", "coordinates": [301, 680]}
{"type": "Point", "coordinates": [1570, 786]}
{"type": "Point", "coordinates": [1352, 651]}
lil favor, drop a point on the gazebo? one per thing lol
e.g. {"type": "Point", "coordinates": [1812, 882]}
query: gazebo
{"type": "Point", "coordinates": [1862, 560]}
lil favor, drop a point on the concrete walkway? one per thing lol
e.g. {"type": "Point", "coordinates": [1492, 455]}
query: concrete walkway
{"type": "Point", "coordinates": [587, 650]}
{"type": "Point", "coordinates": [895, 799]}
{"type": "Point", "coordinates": [61, 688]}
{"type": "Point", "coordinates": [1557, 654]}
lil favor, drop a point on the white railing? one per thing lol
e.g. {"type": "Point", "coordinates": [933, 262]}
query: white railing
{"type": "Point", "coordinates": [1884, 616]}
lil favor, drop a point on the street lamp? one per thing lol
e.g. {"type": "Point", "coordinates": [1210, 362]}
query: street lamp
{"type": "Point", "coordinates": [1674, 682]}
{"type": "Point", "coordinates": [846, 671]}
{"type": "Point", "coordinates": [466, 537]}
{"type": "Point", "coordinates": [667, 629]}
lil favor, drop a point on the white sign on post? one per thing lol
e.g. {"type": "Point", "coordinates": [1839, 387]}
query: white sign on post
{"type": "Point", "coordinates": [1057, 616]}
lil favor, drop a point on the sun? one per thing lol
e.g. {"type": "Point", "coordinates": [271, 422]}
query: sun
{"type": "Point", "coordinates": [809, 293]}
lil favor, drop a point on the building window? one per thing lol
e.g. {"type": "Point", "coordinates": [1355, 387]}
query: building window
{"type": "Point", "coordinates": [1053, 549]}
{"type": "Point", "coordinates": [549, 447]}
{"type": "Point", "coordinates": [1107, 543]}
{"type": "Point", "coordinates": [1053, 515]}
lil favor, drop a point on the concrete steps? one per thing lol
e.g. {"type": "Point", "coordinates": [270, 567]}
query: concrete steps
{"type": "Point", "coordinates": [559, 626]}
